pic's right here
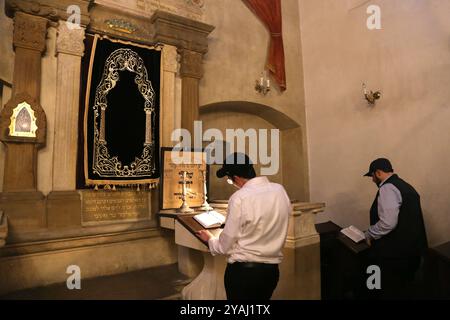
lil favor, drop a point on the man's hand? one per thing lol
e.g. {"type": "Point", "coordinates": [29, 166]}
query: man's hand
{"type": "Point", "coordinates": [368, 240]}
{"type": "Point", "coordinates": [205, 235]}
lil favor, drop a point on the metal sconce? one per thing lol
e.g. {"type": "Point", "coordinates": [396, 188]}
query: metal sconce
{"type": "Point", "coordinates": [263, 84]}
{"type": "Point", "coordinates": [371, 96]}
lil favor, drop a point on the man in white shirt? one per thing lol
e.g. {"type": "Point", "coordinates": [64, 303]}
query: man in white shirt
{"type": "Point", "coordinates": [254, 232]}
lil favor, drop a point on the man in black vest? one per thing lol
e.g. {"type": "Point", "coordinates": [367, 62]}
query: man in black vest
{"type": "Point", "coordinates": [396, 236]}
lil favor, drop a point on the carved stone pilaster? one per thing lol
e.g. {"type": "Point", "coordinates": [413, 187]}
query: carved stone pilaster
{"type": "Point", "coordinates": [191, 64]}
{"type": "Point", "coordinates": [29, 32]}
{"type": "Point", "coordinates": [168, 105]}
{"type": "Point", "coordinates": [69, 50]}
{"type": "Point", "coordinates": [191, 72]}
{"type": "Point", "coordinates": [170, 59]}
{"type": "Point", "coordinates": [70, 41]}
{"type": "Point", "coordinates": [50, 9]}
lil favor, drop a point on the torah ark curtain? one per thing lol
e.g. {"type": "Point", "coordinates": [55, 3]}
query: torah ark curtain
{"type": "Point", "coordinates": [269, 11]}
{"type": "Point", "coordinates": [121, 116]}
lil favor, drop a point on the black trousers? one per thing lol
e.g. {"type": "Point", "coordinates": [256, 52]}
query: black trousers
{"type": "Point", "coordinates": [250, 281]}
{"type": "Point", "coordinates": [397, 276]}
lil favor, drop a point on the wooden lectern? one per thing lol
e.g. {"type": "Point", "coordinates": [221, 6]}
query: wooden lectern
{"type": "Point", "coordinates": [299, 271]}
{"type": "Point", "coordinates": [208, 285]}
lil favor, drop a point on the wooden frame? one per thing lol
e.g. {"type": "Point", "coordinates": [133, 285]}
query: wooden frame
{"type": "Point", "coordinates": [170, 177]}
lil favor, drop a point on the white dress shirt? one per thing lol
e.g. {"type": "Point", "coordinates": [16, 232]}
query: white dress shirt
{"type": "Point", "coordinates": [389, 202]}
{"type": "Point", "coordinates": [256, 225]}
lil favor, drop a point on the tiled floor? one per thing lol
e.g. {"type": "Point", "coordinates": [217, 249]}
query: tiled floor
{"type": "Point", "coordinates": [155, 283]}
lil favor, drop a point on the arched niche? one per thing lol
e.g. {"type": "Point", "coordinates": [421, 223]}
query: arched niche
{"type": "Point", "coordinates": [293, 164]}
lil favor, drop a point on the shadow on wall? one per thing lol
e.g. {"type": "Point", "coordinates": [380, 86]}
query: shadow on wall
{"type": "Point", "coordinates": [292, 154]}
{"type": "Point", "coordinates": [356, 213]}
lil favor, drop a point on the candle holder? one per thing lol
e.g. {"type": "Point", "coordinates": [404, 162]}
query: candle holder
{"type": "Point", "coordinates": [185, 180]}
{"type": "Point", "coordinates": [205, 205]}
{"type": "Point", "coordinates": [263, 84]}
{"type": "Point", "coordinates": [371, 96]}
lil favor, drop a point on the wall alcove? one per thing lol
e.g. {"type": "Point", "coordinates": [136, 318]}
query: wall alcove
{"type": "Point", "coordinates": [293, 164]}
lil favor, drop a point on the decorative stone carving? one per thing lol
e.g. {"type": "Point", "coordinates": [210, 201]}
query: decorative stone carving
{"type": "Point", "coordinates": [180, 32]}
{"type": "Point", "coordinates": [70, 41]}
{"type": "Point", "coordinates": [198, 3]}
{"type": "Point", "coordinates": [120, 24]}
{"type": "Point", "coordinates": [51, 9]}
{"type": "Point", "coordinates": [29, 31]}
{"type": "Point", "coordinates": [191, 9]}
{"type": "Point", "coordinates": [32, 7]}
{"type": "Point", "coordinates": [301, 230]}
{"type": "Point", "coordinates": [191, 64]}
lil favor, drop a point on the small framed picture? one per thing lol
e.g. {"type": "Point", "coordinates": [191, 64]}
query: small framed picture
{"type": "Point", "coordinates": [182, 166]}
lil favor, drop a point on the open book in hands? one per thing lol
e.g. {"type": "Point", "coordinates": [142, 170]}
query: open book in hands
{"type": "Point", "coordinates": [354, 233]}
{"type": "Point", "coordinates": [210, 219]}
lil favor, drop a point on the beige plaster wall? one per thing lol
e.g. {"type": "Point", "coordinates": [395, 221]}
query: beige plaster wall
{"type": "Point", "coordinates": [409, 61]}
{"type": "Point", "coordinates": [237, 54]}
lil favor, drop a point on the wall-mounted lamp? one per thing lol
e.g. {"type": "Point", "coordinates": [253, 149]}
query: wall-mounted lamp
{"type": "Point", "coordinates": [263, 84]}
{"type": "Point", "coordinates": [371, 96]}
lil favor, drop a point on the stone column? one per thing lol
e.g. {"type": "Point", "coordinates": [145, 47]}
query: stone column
{"type": "Point", "coordinates": [20, 200]}
{"type": "Point", "coordinates": [69, 50]}
{"type": "Point", "coordinates": [20, 173]}
{"type": "Point", "coordinates": [191, 72]}
{"type": "Point", "coordinates": [63, 202]}
{"type": "Point", "coordinates": [168, 107]}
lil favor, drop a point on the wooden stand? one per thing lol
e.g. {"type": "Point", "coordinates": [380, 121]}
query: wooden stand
{"type": "Point", "coordinates": [208, 285]}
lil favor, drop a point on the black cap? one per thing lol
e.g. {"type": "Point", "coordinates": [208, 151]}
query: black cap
{"type": "Point", "coordinates": [235, 164]}
{"type": "Point", "coordinates": [379, 164]}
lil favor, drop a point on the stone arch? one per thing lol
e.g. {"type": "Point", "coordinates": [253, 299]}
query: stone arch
{"type": "Point", "coordinates": [293, 151]}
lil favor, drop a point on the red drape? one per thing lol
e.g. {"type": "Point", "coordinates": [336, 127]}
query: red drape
{"type": "Point", "coordinates": [269, 11]}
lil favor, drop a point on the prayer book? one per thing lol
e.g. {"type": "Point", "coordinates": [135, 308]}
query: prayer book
{"type": "Point", "coordinates": [354, 233]}
{"type": "Point", "coordinates": [210, 219]}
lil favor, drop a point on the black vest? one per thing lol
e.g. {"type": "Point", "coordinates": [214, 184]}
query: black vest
{"type": "Point", "coordinates": [408, 239]}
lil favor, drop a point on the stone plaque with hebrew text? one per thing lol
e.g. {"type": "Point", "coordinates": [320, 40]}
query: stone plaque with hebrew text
{"type": "Point", "coordinates": [114, 206]}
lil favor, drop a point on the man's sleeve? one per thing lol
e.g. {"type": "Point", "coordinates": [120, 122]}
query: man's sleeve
{"type": "Point", "coordinates": [230, 233]}
{"type": "Point", "coordinates": [389, 202]}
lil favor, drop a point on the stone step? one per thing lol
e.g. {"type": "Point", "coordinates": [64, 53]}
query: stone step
{"type": "Point", "coordinates": [159, 283]}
